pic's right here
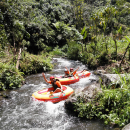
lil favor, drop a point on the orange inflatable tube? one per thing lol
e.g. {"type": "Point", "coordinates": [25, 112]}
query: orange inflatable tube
{"type": "Point", "coordinates": [45, 94]}
{"type": "Point", "coordinates": [75, 78]}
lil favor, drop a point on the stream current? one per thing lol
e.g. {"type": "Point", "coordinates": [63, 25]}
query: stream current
{"type": "Point", "coordinates": [21, 112]}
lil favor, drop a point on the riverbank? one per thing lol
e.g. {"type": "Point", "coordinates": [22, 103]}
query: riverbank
{"type": "Point", "coordinates": [12, 78]}
{"type": "Point", "coordinates": [106, 98]}
{"type": "Point", "coordinates": [113, 67]}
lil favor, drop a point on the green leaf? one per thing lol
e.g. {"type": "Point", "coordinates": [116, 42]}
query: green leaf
{"type": "Point", "coordinates": [83, 30]}
{"type": "Point", "coordinates": [127, 38]}
{"type": "Point", "coordinates": [85, 35]}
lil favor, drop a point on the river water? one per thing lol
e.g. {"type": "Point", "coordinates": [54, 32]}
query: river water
{"type": "Point", "coordinates": [22, 112]}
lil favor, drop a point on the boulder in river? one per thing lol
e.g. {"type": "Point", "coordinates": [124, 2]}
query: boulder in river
{"type": "Point", "coordinates": [89, 92]}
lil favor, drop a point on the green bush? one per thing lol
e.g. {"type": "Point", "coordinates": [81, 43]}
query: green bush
{"type": "Point", "coordinates": [84, 57]}
{"type": "Point", "coordinates": [74, 50]}
{"type": "Point", "coordinates": [90, 60]}
{"type": "Point", "coordinates": [64, 48]}
{"type": "Point", "coordinates": [114, 55]}
{"type": "Point", "coordinates": [113, 105]}
{"type": "Point", "coordinates": [58, 52]}
{"type": "Point", "coordinates": [2, 54]}
{"type": "Point", "coordinates": [10, 77]}
{"type": "Point", "coordinates": [103, 58]}
{"type": "Point", "coordinates": [32, 64]}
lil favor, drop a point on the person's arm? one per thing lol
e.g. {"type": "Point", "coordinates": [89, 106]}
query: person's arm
{"type": "Point", "coordinates": [75, 71]}
{"type": "Point", "coordinates": [84, 70]}
{"type": "Point", "coordinates": [67, 70]}
{"type": "Point", "coordinates": [45, 78]}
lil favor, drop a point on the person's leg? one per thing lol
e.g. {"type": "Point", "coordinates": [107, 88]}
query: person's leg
{"type": "Point", "coordinates": [57, 90]}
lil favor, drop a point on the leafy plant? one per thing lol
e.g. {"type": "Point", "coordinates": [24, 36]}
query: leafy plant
{"type": "Point", "coordinates": [112, 105]}
{"type": "Point", "coordinates": [58, 52]}
{"type": "Point", "coordinates": [10, 77]}
{"type": "Point", "coordinates": [74, 50]}
{"type": "Point", "coordinates": [31, 64]}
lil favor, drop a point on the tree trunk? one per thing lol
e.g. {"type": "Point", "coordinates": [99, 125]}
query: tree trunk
{"type": "Point", "coordinates": [116, 47]}
{"type": "Point", "coordinates": [19, 55]}
{"type": "Point", "coordinates": [129, 54]}
{"type": "Point", "coordinates": [124, 55]}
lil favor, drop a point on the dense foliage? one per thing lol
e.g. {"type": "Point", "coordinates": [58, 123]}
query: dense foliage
{"type": "Point", "coordinates": [112, 105]}
{"type": "Point", "coordinates": [10, 77]}
{"type": "Point", "coordinates": [31, 64]}
{"type": "Point", "coordinates": [95, 32]}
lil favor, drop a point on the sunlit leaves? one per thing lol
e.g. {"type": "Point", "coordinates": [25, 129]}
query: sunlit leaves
{"type": "Point", "coordinates": [128, 38]}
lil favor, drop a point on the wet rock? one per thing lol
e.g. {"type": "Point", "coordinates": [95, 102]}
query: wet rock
{"type": "Point", "coordinates": [127, 127]}
{"type": "Point", "coordinates": [114, 77]}
{"type": "Point", "coordinates": [102, 78]}
{"type": "Point", "coordinates": [4, 94]}
{"type": "Point", "coordinates": [89, 92]}
{"type": "Point", "coordinates": [108, 79]}
{"type": "Point", "coordinates": [69, 103]}
{"type": "Point", "coordinates": [101, 71]}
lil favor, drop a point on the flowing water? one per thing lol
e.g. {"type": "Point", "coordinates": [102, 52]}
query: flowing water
{"type": "Point", "coordinates": [22, 112]}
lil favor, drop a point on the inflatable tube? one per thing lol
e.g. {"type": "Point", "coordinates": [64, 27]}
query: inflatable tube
{"type": "Point", "coordinates": [68, 80]}
{"type": "Point", "coordinates": [74, 79]}
{"type": "Point", "coordinates": [45, 95]}
{"type": "Point", "coordinates": [83, 74]}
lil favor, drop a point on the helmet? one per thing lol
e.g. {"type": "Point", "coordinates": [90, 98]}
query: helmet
{"type": "Point", "coordinates": [71, 68]}
{"type": "Point", "coordinates": [52, 77]}
{"type": "Point", "coordinates": [65, 70]}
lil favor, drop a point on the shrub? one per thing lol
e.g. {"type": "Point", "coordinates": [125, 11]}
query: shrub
{"type": "Point", "coordinates": [74, 50]}
{"type": "Point", "coordinates": [32, 64]}
{"type": "Point", "coordinates": [58, 52]}
{"type": "Point", "coordinates": [112, 105]}
{"type": "Point", "coordinates": [103, 58]}
{"type": "Point", "coordinates": [10, 77]}
{"type": "Point", "coordinates": [114, 55]}
{"type": "Point", "coordinates": [90, 60]}
{"type": "Point", "coordinates": [64, 48]}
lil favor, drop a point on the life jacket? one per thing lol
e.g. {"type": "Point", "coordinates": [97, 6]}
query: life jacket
{"type": "Point", "coordinates": [71, 73]}
{"type": "Point", "coordinates": [54, 84]}
{"type": "Point", "coordinates": [66, 74]}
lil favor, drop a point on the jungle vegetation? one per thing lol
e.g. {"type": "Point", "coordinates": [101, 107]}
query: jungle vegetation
{"type": "Point", "coordinates": [96, 32]}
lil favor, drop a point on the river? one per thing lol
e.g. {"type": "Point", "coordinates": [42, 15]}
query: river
{"type": "Point", "coordinates": [22, 112]}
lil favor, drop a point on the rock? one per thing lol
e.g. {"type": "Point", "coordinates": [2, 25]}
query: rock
{"type": "Point", "coordinates": [69, 103]}
{"type": "Point", "coordinates": [108, 79]}
{"type": "Point", "coordinates": [114, 77]}
{"type": "Point", "coordinates": [5, 94]}
{"type": "Point", "coordinates": [101, 71]}
{"type": "Point", "coordinates": [88, 93]}
{"type": "Point", "coordinates": [127, 127]}
{"type": "Point", "coordinates": [102, 78]}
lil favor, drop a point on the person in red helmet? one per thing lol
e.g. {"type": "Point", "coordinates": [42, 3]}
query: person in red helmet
{"type": "Point", "coordinates": [55, 83]}
{"type": "Point", "coordinates": [72, 72]}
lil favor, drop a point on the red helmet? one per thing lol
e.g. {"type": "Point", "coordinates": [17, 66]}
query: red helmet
{"type": "Point", "coordinates": [71, 68]}
{"type": "Point", "coordinates": [52, 77]}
